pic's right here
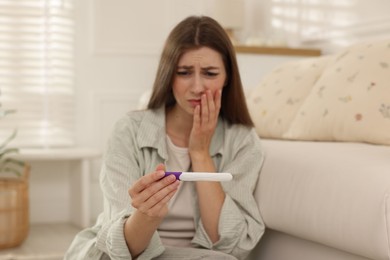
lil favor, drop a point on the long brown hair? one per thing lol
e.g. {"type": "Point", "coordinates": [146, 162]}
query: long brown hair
{"type": "Point", "coordinates": [192, 33]}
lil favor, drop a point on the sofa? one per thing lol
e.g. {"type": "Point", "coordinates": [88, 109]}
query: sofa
{"type": "Point", "coordinates": [324, 188]}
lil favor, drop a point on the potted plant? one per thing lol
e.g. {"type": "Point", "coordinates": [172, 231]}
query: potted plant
{"type": "Point", "coordinates": [14, 202]}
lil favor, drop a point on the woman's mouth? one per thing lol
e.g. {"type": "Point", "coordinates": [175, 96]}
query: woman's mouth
{"type": "Point", "coordinates": [194, 102]}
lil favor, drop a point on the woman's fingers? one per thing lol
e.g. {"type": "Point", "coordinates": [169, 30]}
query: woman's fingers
{"type": "Point", "coordinates": [211, 105]}
{"type": "Point", "coordinates": [196, 121]}
{"type": "Point", "coordinates": [160, 198]}
{"type": "Point", "coordinates": [160, 167]}
{"type": "Point", "coordinates": [205, 109]}
{"type": "Point", "coordinates": [160, 209]}
{"type": "Point", "coordinates": [205, 121]}
{"type": "Point", "coordinates": [153, 193]}
{"type": "Point", "coordinates": [214, 104]}
{"type": "Point", "coordinates": [217, 101]}
{"type": "Point", "coordinates": [145, 181]}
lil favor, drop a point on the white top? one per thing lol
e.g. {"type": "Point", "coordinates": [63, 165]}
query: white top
{"type": "Point", "coordinates": [178, 227]}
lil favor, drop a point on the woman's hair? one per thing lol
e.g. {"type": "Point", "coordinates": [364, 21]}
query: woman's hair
{"type": "Point", "coordinates": [192, 33]}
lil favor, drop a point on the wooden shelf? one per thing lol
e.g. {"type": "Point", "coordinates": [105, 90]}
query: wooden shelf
{"type": "Point", "coordinates": [44, 242]}
{"type": "Point", "coordinates": [57, 154]}
{"type": "Point", "coordinates": [277, 50]}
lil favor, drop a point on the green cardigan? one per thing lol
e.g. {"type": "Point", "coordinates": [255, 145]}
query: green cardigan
{"type": "Point", "coordinates": [136, 146]}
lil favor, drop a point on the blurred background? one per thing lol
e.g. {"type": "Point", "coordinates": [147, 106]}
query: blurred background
{"type": "Point", "coordinates": [72, 68]}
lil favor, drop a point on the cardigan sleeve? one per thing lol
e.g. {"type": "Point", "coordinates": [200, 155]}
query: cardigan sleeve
{"type": "Point", "coordinates": [240, 224]}
{"type": "Point", "coordinates": [120, 170]}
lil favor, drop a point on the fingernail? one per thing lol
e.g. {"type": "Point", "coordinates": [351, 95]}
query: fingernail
{"type": "Point", "coordinates": [172, 177]}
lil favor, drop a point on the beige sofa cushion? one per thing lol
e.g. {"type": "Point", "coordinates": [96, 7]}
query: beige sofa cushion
{"type": "Point", "coordinates": [276, 245]}
{"type": "Point", "coordinates": [274, 103]}
{"type": "Point", "coordinates": [336, 194]}
{"type": "Point", "coordinates": [351, 100]}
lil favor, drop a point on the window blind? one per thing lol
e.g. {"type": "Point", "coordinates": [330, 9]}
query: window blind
{"type": "Point", "coordinates": [36, 72]}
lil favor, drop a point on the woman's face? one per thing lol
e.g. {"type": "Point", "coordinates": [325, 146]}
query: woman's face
{"type": "Point", "coordinates": [198, 70]}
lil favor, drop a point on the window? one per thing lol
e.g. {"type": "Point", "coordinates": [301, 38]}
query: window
{"type": "Point", "coordinates": [331, 24]}
{"type": "Point", "coordinates": [36, 71]}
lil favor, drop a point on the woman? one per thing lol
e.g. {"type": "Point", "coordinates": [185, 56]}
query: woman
{"type": "Point", "coordinates": [196, 120]}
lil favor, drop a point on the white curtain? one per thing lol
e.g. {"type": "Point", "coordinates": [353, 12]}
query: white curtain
{"type": "Point", "coordinates": [36, 72]}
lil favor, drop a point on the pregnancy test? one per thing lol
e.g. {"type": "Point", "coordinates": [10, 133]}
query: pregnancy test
{"type": "Point", "coordinates": [201, 176]}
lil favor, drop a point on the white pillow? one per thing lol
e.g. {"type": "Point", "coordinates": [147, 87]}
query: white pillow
{"type": "Point", "coordinates": [274, 103]}
{"type": "Point", "coordinates": [351, 100]}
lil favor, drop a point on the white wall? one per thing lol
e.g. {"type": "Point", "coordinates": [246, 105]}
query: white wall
{"type": "Point", "coordinates": [117, 51]}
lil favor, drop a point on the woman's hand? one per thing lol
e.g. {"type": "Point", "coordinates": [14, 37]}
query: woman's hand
{"type": "Point", "coordinates": [151, 193]}
{"type": "Point", "coordinates": [204, 124]}
{"type": "Point", "coordinates": [150, 196]}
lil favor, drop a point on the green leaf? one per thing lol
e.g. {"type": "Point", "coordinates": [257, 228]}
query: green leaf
{"type": "Point", "coordinates": [8, 151]}
{"type": "Point", "coordinates": [8, 162]}
{"type": "Point", "coordinates": [4, 113]}
{"type": "Point", "coordinates": [12, 170]}
{"type": "Point", "coordinates": [13, 161]}
{"type": "Point", "coordinates": [9, 139]}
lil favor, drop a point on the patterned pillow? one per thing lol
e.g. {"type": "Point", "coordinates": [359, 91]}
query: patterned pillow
{"type": "Point", "coordinates": [351, 100]}
{"type": "Point", "coordinates": [274, 103]}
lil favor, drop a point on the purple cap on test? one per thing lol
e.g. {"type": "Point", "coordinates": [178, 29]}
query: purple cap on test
{"type": "Point", "coordinates": [177, 174]}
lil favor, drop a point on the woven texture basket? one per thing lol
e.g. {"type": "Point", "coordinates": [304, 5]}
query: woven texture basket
{"type": "Point", "coordinates": [14, 210]}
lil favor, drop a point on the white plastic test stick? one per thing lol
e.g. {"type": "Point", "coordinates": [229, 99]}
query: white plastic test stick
{"type": "Point", "coordinates": [201, 176]}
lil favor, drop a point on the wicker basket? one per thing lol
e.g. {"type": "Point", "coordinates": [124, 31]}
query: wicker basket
{"type": "Point", "coordinates": [14, 210]}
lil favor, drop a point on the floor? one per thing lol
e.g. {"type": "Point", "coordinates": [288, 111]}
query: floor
{"type": "Point", "coordinates": [45, 242]}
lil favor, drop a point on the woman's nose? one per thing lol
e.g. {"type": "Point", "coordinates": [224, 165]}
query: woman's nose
{"type": "Point", "coordinates": [197, 85]}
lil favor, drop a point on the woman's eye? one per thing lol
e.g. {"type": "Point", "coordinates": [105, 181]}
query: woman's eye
{"type": "Point", "coordinates": [183, 73]}
{"type": "Point", "coordinates": [211, 74]}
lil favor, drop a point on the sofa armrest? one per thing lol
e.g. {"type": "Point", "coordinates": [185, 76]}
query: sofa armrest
{"type": "Point", "coordinates": [336, 194]}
